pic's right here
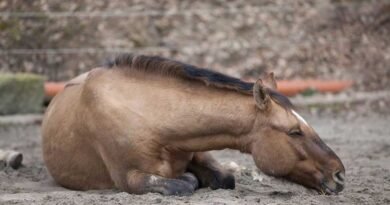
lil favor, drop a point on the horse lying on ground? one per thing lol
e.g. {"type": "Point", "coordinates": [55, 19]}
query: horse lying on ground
{"type": "Point", "coordinates": [144, 124]}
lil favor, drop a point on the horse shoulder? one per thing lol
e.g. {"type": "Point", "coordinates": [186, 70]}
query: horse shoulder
{"type": "Point", "coordinates": [100, 104]}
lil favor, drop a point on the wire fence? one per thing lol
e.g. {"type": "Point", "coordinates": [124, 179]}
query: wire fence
{"type": "Point", "coordinates": [45, 61]}
{"type": "Point", "coordinates": [171, 12]}
{"type": "Point", "coordinates": [109, 14]}
{"type": "Point", "coordinates": [56, 51]}
{"type": "Point", "coordinates": [238, 44]}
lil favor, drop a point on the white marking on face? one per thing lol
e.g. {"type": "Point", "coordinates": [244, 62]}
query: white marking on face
{"type": "Point", "coordinates": [300, 118]}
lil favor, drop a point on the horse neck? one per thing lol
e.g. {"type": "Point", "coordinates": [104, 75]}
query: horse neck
{"type": "Point", "coordinates": [220, 119]}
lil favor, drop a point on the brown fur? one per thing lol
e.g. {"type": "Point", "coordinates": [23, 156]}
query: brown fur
{"type": "Point", "coordinates": [141, 125]}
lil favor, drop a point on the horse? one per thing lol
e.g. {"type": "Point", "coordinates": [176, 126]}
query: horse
{"type": "Point", "coordinates": [145, 124]}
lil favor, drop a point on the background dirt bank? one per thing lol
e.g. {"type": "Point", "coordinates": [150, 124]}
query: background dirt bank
{"type": "Point", "coordinates": [363, 144]}
{"type": "Point", "coordinates": [326, 39]}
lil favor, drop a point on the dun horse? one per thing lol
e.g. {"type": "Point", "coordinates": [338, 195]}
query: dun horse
{"type": "Point", "coordinates": [144, 124]}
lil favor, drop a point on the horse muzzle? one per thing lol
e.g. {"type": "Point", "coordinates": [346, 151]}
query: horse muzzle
{"type": "Point", "coordinates": [335, 185]}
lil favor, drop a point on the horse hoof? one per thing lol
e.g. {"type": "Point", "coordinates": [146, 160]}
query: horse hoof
{"type": "Point", "coordinates": [14, 159]}
{"type": "Point", "coordinates": [191, 179]}
{"type": "Point", "coordinates": [179, 188]}
{"type": "Point", "coordinates": [223, 181]}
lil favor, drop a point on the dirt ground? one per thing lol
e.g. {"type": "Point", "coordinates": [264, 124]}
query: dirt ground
{"type": "Point", "coordinates": [363, 144]}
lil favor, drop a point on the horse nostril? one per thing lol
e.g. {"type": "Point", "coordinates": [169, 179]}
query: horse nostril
{"type": "Point", "coordinates": [339, 177]}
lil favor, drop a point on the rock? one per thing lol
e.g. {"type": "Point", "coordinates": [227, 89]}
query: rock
{"type": "Point", "coordinates": [10, 158]}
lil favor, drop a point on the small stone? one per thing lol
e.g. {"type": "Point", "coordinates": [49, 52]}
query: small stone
{"type": "Point", "coordinates": [158, 200]}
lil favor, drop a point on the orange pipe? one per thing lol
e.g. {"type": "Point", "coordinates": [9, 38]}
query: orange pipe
{"type": "Point", "coordinates": [294, 87]}
{"type": "Point", "coordinates": [287, 87]}
{"type": "Point", "coordinates": [53, 88]}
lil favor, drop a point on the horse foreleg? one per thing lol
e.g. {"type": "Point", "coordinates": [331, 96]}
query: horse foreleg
{"type": "Point", "coordinates": [140, 183]}
{"type": "Point", "coordinates": [210, 173]}
{"type": "Point", "coordinates": [135, 181]}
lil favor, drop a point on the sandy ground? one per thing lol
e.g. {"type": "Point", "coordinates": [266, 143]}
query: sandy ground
{"type": "Point", "coordinates": [363, 144]}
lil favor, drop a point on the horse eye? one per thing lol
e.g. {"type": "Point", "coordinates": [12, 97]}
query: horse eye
{"type": "Point", "coordinates": [295, 133]}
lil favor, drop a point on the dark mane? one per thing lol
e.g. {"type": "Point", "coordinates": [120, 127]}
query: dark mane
{"type": "Point", "coordinates": [168, 67]}
{"type": "Point", "coordinates": [280, 99]}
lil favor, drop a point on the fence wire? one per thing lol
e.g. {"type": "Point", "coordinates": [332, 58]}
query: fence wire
{"type": "Point", "coordinates": [57, 51]}
{"type": "Point", "coordinates": [108, 14]}
{"type": "Point", "coordinates": [235, 45]}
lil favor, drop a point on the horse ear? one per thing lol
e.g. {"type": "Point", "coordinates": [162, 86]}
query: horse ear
{"type": "Point", "coordinates": [269, 81]}
{"type": "Point", "coordinates": [261, 95]}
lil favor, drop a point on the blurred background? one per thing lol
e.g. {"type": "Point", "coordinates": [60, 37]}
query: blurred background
{"type": "Point", "coordinates": [46, 42]}
{"type": "Point", "coordinates": [329, 39]}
